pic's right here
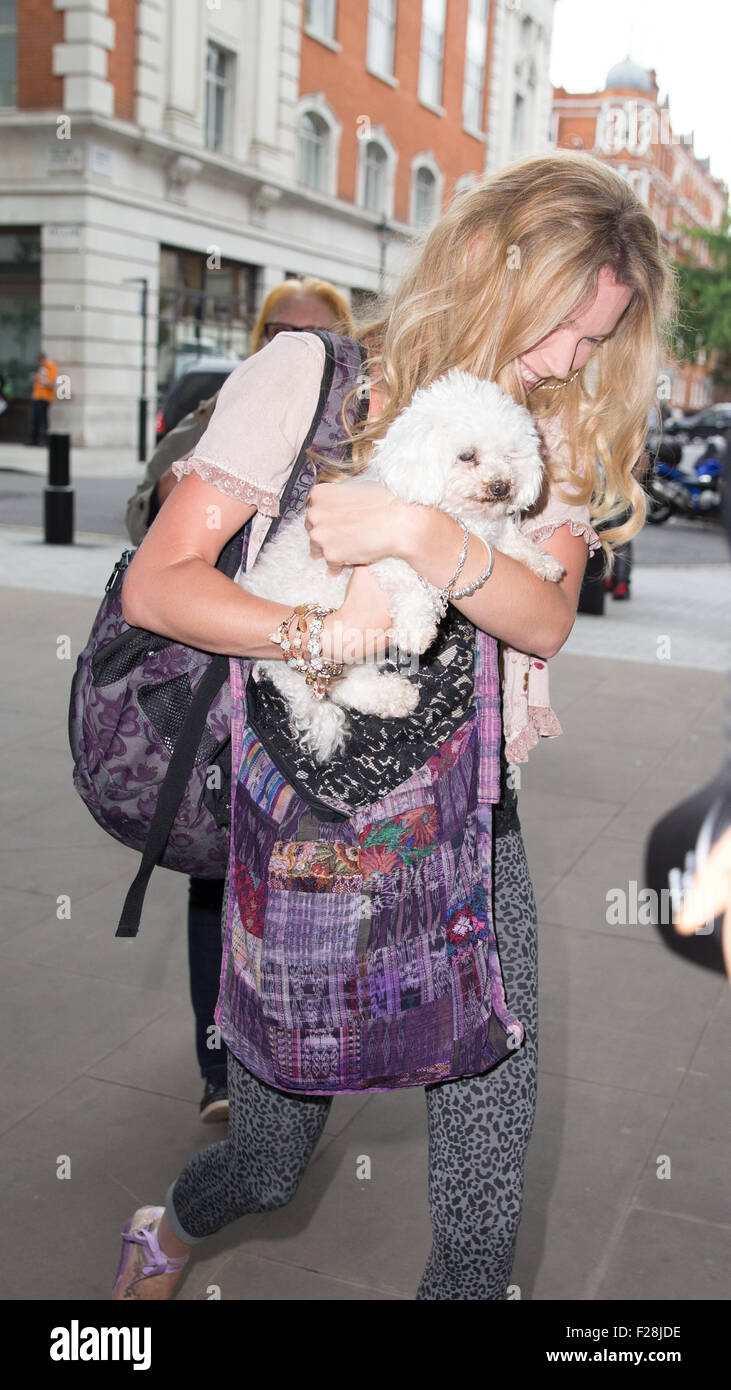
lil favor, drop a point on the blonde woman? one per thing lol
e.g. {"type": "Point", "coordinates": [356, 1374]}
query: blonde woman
{"type": "Point", "coordinates": [548, 278]}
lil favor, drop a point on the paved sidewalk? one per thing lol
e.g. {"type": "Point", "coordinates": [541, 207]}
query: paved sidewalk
{"type": "Point", "coordinates": [98, 1038]}
{"type": "Point", "coordinates": [98, 462]}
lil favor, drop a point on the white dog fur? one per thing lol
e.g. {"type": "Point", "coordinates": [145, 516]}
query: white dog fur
{"type": "Point", "coordinates": [462, 445]}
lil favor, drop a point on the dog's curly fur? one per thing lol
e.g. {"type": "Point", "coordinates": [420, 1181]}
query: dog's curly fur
{"type": "Point", "coordinates": [461, 445]}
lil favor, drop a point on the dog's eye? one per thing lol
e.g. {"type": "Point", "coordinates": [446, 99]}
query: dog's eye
{"type": "Point", "coordinates": [469, 456]}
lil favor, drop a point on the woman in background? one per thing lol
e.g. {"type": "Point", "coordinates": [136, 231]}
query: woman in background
{"type": "Point", "coordinates": [293, 306]}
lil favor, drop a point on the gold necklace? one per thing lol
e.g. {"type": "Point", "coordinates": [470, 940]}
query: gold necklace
{"type": "Point", "coordinates": [559, 384]}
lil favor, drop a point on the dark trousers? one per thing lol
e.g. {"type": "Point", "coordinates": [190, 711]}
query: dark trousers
{"type": "Point", "coordinates": [623, 554]}
{"type": "Point", "coordinates": [38, 422]}
{"type": "Point", "coordinates": [205, 905]}
{"type": "Point", "coordinates": [623, 563]}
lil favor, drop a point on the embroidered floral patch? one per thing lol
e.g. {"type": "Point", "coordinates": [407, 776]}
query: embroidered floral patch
{"type": "Point", "coordinates": [467, 921]}
{"type": "Point", "coordinates": [251, 900]}
{"type": "Point", "coordinates": [448, 755]}
{"type": "Point", "coordinates": [398, 842]}
{"type": "Point", "coordinates": [315, 866]}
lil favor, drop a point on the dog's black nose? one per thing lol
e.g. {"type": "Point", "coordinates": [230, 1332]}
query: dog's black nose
{"type": "Point", "coordinates": [498, 490]}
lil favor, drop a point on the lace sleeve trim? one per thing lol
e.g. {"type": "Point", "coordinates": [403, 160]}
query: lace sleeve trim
{"type": "Point", "coordinates": [232, 484]}
{"type": "Point", "coordinates": [578, 528]}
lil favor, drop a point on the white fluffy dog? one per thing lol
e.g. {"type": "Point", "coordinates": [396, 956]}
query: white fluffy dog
{"type": "Point", "coordinates": [461, 445]}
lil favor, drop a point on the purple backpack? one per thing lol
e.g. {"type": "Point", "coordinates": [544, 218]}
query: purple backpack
{"type": "Point", "coordinates": [150, 718]}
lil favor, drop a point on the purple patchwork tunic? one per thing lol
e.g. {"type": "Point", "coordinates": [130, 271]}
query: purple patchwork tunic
{"type": "Point", "coordinates": [359, 953]}
{"type": "Point", "coordinates": [365, 958]}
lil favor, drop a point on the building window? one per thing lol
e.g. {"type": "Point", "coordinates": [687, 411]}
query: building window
{"type": "Point", "coordinates": [7, 53]}
{"type": "Point", "coordinates": [204, 310]}
{"type": "Point", "coordinates": [474, 65]}
{"type": "Point", "coordinates": [219, 85]}
{"type": "Point", "coordinates": [424, 207]}
{"type": "Point", "coordinates": [381, 36]}
{"type": "Point", "coordinates": [320, 18]}
{"type": "Point", "coordinates": [20, 316]}
{"type": "Point", "coordinates": [375, 171]}
{"type": "Point", "coordinates": [314, 138]}
{"type": "Point", "coordinates": [431, 60]}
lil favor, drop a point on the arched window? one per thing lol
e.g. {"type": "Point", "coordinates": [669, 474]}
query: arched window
{"type": "Point", "coordinates": [375, 168]}
{"type": "Point", "coordinates": [424, 196]}
{"type": "Point", "coordinates": [314, 138]}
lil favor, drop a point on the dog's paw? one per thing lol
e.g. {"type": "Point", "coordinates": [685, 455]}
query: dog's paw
{"type": "Point", "coordinates": [548, 567]}
{"type": "Point", "coordinates": [325, 732]}
{"type": "Point", "coordinates": [412, 639]}
{"type": "Point", "coordinates": [399, 695]}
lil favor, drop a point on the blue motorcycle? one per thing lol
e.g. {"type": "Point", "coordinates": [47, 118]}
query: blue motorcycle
{"type": "Point", "coordinates": [698, 492]}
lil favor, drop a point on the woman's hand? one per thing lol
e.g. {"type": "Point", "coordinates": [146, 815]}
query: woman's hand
{"type": "Point", "coordinates": [354, 523]}
{"type": "Point", "coordinates": [709, 895]}
{"type": "Point", "coordinates": [358, 628]}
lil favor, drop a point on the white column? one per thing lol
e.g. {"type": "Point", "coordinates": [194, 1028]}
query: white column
{"type": "Point", "coordinates": [150, 63]}
{"type": "Point", "coordinates": [274, 76]}
{"type": "Point", "coordinates": [496, 93]}
{"type": "Point", "coordinates": [82, 58]}
{"type": "Point", "coordinates": [186, 57]}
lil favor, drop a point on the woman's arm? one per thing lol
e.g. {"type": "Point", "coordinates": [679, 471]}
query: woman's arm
{"type": "Point", "coordinates": [358, 523]}
{"type": "Point", "coordinates": [172, 586]}
{"type": "Point", "coordinates": [531, 614]}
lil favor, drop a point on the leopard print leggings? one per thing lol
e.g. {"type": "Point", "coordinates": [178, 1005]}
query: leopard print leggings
{"type": "Point", "coordinates": [478, 1128]}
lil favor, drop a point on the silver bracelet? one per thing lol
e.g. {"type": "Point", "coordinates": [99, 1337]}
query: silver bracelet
{"type": "Point", "coordinates": [442, 597]}
{"type": "Point", "coordinates": [472, 588]}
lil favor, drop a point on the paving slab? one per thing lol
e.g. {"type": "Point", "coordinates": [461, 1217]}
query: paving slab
{"type": "Point", "coordinates": [594, 1027]}
{"type": "Point", "coordinates": [679, 1260]}
{"type": "Point", "coordinates": [588, 1149]}
{"type": "Point", "coordinates": [99, 1042]}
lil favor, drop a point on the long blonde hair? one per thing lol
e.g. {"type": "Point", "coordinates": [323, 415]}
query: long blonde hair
{"type": "Point", "coordinates": [511, 259]}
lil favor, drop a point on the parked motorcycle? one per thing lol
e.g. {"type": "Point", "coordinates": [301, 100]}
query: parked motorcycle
{"type": "Point", "coordinates": [693, 491]}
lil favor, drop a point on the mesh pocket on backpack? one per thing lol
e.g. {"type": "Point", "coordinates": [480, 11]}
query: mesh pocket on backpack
{"type": "Point", "coordinates": [166, 707]}
{"type": "Point", "coordinates": [123, 653]}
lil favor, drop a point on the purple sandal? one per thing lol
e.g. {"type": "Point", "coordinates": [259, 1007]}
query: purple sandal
{"type": "Point", "coordinates": [141, 1229]}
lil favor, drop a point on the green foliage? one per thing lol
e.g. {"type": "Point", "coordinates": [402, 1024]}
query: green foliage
{"type": "Point", "coordinates": [705, 303]}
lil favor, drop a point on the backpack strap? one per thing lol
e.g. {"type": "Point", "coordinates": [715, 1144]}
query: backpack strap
{"type": "Point", "coordinates": [187, 743]}
{"type": "Point", "coordinates": [172, 791]}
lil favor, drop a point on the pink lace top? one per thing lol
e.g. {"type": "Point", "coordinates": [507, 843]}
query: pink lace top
{"type": "Point", "coordinates": [256, 431]}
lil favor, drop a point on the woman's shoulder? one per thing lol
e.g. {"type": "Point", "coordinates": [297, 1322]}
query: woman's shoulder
{"type": "Point", "coordinates": [262, 416]}
{"type": "Point", "coordinates": [303, 354]}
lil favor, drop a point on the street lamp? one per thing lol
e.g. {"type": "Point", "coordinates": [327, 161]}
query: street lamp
{"type": "Point", "coordinates": [142, 416]}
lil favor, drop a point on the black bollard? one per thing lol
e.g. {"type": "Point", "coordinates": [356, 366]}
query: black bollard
{"type": "Point", "coordinates": [58, 497]}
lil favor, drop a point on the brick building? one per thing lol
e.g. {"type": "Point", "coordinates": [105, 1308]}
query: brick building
{"type": "Point", "coordinates": [627, 125]}
{"type": "Point", "coordinates": [210, 147]}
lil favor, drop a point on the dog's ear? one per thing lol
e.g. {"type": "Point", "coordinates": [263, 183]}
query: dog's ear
{"type": "Point", "coordinates": [413, 458]}
{"type": "Point", "coordinates": [532, 476]}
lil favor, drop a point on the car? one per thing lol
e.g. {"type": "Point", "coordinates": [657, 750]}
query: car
{"type": "Point", "coordinates": [714, 419]}
{"type": "Point", "coordinates": [197, 383]}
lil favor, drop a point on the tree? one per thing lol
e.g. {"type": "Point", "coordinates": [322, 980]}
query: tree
{"type": "Point", "coordinates": [705, 304]}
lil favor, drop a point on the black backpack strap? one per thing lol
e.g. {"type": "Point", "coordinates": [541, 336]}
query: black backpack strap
{"type": "Point", "coordinates": [172, 791]}
{"type": "Point", "coordinates": [187, 743]}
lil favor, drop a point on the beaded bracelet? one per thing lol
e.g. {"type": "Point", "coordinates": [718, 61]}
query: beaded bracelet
{"type": "Point", "coordinates": [281, 638]}
{"type": "Point", "coordinates": [444, 595]}
{"type": "Point", "coordinates": [317, 671]}
{"type": "Point", "coordinates": [477, 583]}
{"type": "Point", "coordinates": [320, 672]}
